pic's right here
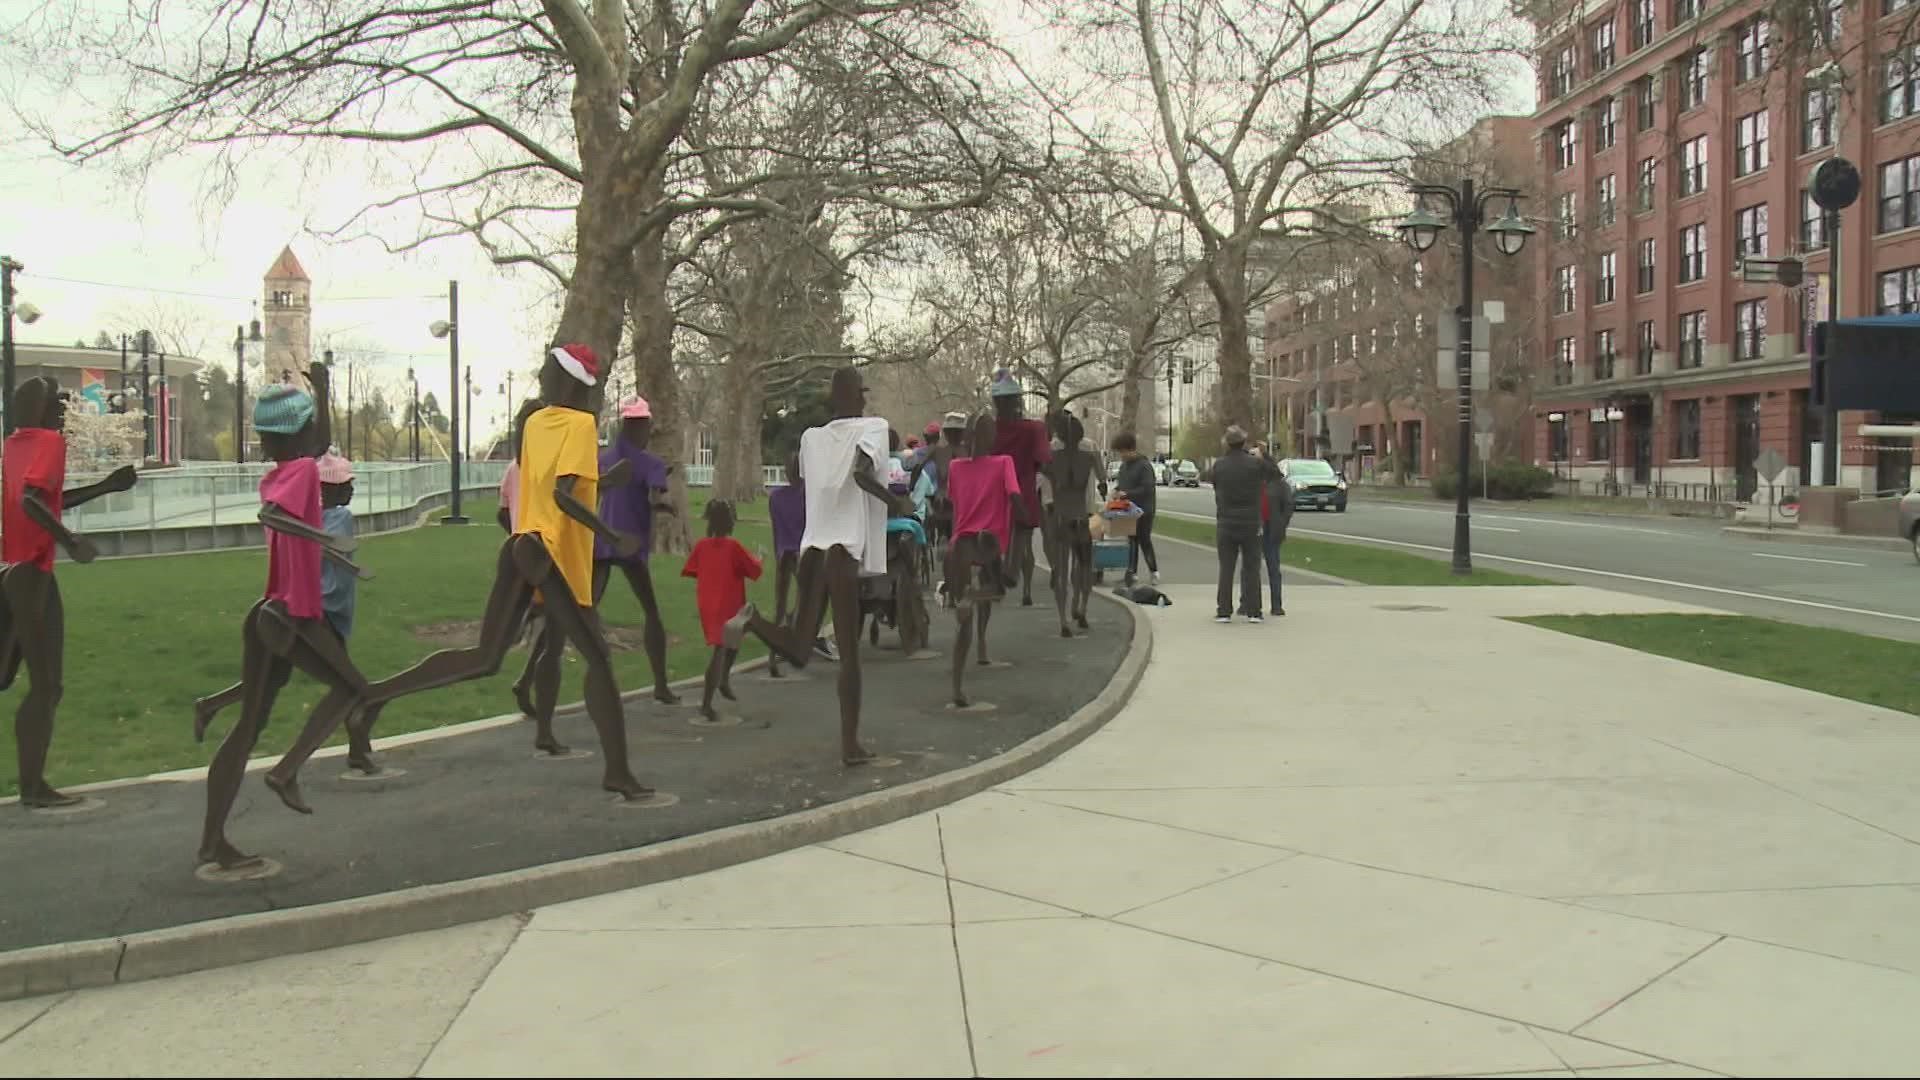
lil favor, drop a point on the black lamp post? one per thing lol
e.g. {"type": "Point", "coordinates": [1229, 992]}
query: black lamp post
{"type": "Point", "coordinates": [1467, 211]}
{"type": "Point", "coordinates": [8, 309]}
{"type": "Point", "coordinates": [449, 328]}
{"type": "Point", "coordinates": [246, 341]}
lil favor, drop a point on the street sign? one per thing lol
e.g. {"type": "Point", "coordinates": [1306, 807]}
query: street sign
{"type": "Point", "coordinates": [1483, 420]}
{"type": "Point", "coordinates": [1447, 360]}
{"type": "Point", "coordinates": [1483, 444]}
{"type": "Point", "coordinates": [1769, 464]}
{"type": "Point", "coordinates": [1789, 271]}
{"type": "Point", "coordinates": [1495, 310]}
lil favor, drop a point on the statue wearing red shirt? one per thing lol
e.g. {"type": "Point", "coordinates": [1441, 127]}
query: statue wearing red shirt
{"type": "Point", "coordinates": [33, 468]}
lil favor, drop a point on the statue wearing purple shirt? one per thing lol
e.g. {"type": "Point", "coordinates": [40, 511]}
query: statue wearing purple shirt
{"type": "Point", "coordinates": [629, 508]}
{"type": "Point", "coordinates": [787, 506]}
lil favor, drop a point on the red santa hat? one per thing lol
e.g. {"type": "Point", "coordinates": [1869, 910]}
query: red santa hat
{"type": "Point", "coordinates": [578, 361]}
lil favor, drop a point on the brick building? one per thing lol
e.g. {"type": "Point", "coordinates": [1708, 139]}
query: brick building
{"type": "Point", "coordinates": [1352, 353]}
{"type": "Point", "coordinates": [1677, 138]}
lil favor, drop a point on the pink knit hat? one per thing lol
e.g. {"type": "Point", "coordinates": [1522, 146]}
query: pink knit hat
{"type": "Point", "coordinates": [636, 408]}
{"type": "Point", "coordinates": [335, 469]}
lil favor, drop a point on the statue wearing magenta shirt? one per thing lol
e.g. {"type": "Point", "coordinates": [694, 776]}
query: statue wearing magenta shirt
{"type": "Point", "coordinates": [1031, 448]}
{"type": "Point", "coordinates": [33, 470]}
{"type": "Point", "coordinates": [629, 508]}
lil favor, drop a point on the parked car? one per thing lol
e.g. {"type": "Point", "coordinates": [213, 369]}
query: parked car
{"type": "Point", "coordinates": [1315, 485]}
{"type": "Point", "coordinates": [1187, 474]}
{"type": "Point", "coordinates": [1910, 520]}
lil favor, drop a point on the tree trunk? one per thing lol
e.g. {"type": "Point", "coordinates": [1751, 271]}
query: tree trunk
{"type": "Point", "coordinates": [736, 451]}
{"type": "Point", "coordinates": [1130, 393]}
{"type": "Point", "coordinates": [1228, 284]}
{"type": "Point", "coordinates": [652, 320]}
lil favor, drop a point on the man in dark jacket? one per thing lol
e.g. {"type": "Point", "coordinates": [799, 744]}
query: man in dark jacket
{"type": "Point", "coordinates": [1239, 480]}
{"type": "Point", "coordinates": [1276, 513]}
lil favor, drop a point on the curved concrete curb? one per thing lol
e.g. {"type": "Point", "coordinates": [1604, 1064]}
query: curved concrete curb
{"type": "Point", "coordinates": [242, 938]}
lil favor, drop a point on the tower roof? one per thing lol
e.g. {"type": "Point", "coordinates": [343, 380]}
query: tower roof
{"type": "Point", "coordinates": [287, 267]}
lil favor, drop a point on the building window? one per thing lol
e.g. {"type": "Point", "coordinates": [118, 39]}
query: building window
{"type": "Point", "coordinates": [1565, 355]}
{"type": "Point", "coordinates": [1693, 79]}
{"type": "Point", "coordinates": [1813, 223]}
{"type": "Point", "coordinates": [1566, 144]}
{"type": "Point", "coordinates": [1900, 194]}
{"type": "Point", "coordinates": [1750, 329]}
{"type": "Point", "coordinates": [1900, 291]}
{"type": "Point", "coordinates": [1603, 199]}
{"type": "Point", "coordinates": [1603, 45]}
{"type": "Point", "coordinates": [1643, 350]}
{"type": "Point", "coordinates": [1642, 21]}
{"type": "Point", "coordinates": [1600, 439]}
{"type": "Point", "coordinates": [1816, 118]}
{"type": "Point", "coordinates": [1693, 253]}
{"type": "Point", "coordinates": [1750, 233]}
{"type": "Point", "coordinates": [1603, 355]}
{"type": "Point", "coordinates": [1826, 18]}
{"type": "Point", "coordinates": [1900, 85]}
{"type": "Point", "coordinates": [1564, 279]}
{"type": "Point", "coordinates": [1566, 215]}
{"type": "Point", "coordinates": [1643, 103]}
{"type": "Point", "coordinates": [1686, 430]}
{"type": "Point", "coordinates": [1606, 122]}
{"type": "Point", "coordinates": [1684, 10]}
{"type": "Point", "coordinates": [1603, 278]}
{"type": "Point", "coordinates": [1643, 267]}
{"type": "Point", "coordinates": [1754, 45]}
{"type": "Point", "coordinates": [1693, 340]}
{"type": "Point", "coordinates": [1557, 438]}
{"type": "Point", "coordinates": [1644, 183]}
{"type": "Point", "coordinates": [1562, 72]}
{"type": "Point", "coordinates": [1750, 144]}
{"type": "Point", "coordinates": [1693, 166]}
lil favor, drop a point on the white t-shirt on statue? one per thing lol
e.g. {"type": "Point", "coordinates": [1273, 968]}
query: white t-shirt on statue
{"type": "Point", "coordinates": [838, 512]}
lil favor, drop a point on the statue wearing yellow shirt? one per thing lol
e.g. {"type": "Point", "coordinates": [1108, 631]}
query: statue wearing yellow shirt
{"type": "Point", "coordinates": [551, 551]}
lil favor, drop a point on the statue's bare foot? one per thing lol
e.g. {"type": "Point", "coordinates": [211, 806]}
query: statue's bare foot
{"type": "Point", "coordinates": [364, 763]}
{"type": "Point", "coordinates": [665, 695]}
{"type": "Point", "coordinates": [45, 797]}
{"type": "Point", "coordinates": [1065, 630]}
{"type": "Point", "coordinates": [726, 691]}
{"type": "Point", "coordinates": [289, 792]}
{"type": "Point", "coordinates": [228, 857]}
{"type": "Point", "coordinates": [856, 755]}
{"type": "Point", "coordinates": [627, 787]}
{"type": "Point", "coordinates": [202, 716]}
{"type": "Point", "coordinates": [960, 701]}
{"type": "Point", "coordinates": [547, 744]}
{"type": "Point", "coordinates": [524, 698]}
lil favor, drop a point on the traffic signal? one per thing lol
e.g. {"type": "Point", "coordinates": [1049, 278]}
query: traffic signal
{"type": "Point", "coordinates": [1817, 377]}
{"type": "Point", "coordinates": [1186, 369]}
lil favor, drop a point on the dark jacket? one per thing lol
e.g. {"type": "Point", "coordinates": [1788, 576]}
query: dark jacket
{"type": "Point", "coordinates": [1136, 478]}
{"type": "Point", "coordinates": [1238, 478]}
{"type": "Point", "coordinates": [1279, 500]}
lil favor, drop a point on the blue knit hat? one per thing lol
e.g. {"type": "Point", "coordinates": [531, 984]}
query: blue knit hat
{"type": "Point", "coordinates": [282, 409]}
{"type": "Point", "coordinates": [1005, 385]}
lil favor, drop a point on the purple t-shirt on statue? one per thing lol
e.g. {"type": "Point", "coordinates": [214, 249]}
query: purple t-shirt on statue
{"type": "Point", "coordinates": [787, 506]}
{"type": "Point", "coordinates": [629, 507]}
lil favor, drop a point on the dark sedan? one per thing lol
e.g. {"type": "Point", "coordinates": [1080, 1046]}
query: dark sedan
{"type": "Point", "coordinates": [1315, 485]}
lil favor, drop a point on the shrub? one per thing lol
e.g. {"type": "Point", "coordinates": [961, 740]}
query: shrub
{"type": "Point", "coordinates": [1504, 480]}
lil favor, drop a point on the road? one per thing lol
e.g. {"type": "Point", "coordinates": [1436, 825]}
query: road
{"type": "Point", "coordinates": [1867, 590]}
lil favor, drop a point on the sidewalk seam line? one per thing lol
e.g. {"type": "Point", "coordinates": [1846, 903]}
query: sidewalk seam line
{"type": "Point", "coordinates": [1701, 951]}
{"type": "Point", "coordinates": [59, 999]}
{"type": "Point", "coordinates": [1808, 799]}
{"type": "Point", "coordinates": [520, 928]}
{"type": "Point", "coordinates": [953, 936]}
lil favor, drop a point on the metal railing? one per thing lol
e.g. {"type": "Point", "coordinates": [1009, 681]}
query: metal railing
{"type": "Point", "coordinates": [201, 496]}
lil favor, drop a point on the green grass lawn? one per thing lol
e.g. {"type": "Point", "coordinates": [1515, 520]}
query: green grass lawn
{"type": "Point", "coordinates": [1878, 671]}
{"type": "Point", "coordinates": [146, 636]}
{"type": "Point", "coordinates": [1362, 564]}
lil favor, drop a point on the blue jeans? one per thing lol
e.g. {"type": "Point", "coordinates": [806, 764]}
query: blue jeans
{"type": "Point", "coordinates": [1273, 534]}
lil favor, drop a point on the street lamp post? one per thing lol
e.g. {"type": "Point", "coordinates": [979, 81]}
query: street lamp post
{"type": "Point", "coordinates": [29, 314]}
{"type": "Point", "coordinates": [1468, 210]}
{"type": "Point", "coordinates": [449, 328]}
{"type": "Point", "coordinates": [247, 347]}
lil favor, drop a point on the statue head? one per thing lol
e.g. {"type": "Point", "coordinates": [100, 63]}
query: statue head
{"type": "Point", "coordinates": [636, 422]}
{"type": "Point", "coordinates": [283, 418]}
{"type": "Point", "coordinates": [847, 394]}
{"type": "Point", "coordinates": [568, 376]}
{"type": "Point", "coordinates": [1008, 397]}
{"type": "Point", "coordinates": [40, 403]}
{"type": "Point", "coordinates": [336, 480]}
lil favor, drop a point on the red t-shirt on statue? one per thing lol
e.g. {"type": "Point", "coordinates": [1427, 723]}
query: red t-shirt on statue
{"type": "Point", "coordinates": [721, 569]}
{"type": "Point", "coordinates": [32, 458]}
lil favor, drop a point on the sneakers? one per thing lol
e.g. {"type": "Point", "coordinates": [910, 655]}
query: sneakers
{"type": "Point", "coordinates": [1156, 578]}
{"type": "Point", "coordinates": [1255, 619]}
{"type": "Point", "coordinates": [1222, 620]}
{"type": "Point", "coordinates": [824, 650]}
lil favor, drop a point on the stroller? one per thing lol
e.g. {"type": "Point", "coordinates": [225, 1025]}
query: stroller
{"type": "Point", "coordinates": [898, 600]}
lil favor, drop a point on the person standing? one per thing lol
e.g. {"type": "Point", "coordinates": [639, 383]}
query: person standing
{"type": "Point", "coordinates": [1136, 483]}
{"type": "Point", "coordinates": [1276, 513]}
{"type": "Point", "coordinates": [1239, 480]}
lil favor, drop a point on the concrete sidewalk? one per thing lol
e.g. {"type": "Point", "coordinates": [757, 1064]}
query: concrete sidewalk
{"type": "Point", "coordinates": [1388, 834]}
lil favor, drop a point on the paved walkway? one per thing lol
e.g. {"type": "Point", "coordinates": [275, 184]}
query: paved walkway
{"type": "Point", "coordinates": [1389, 834]}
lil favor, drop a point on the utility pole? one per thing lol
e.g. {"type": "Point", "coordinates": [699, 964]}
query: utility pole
{"type": "Point", "coordinates": [8, 267]}
{"type": "Point", "coordinates": [350, 366]}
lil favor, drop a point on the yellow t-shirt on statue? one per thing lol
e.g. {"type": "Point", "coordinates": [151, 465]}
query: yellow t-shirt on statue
{"type": "Point", "coordinates": [561, 442]}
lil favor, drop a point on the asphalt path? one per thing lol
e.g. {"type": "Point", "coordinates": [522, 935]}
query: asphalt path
{"type": "Point", "coordinates": [1867, 590]}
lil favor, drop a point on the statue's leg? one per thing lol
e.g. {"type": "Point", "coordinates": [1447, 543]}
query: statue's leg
{"type": "Point", "coordinates": [603, 694]}
{"type": "Point", "coordinates": [711, 683]}
{"type": "Point", "coordinates": [534, 629]}
{"type": "Point", "coordinates": [842, 581]}
{"type": "Point", "coordinates": [991, 561]}
{"type": "Point", "coordinates": [641, 578]}
{"type": "Point", "coordinates": [792, 640]}
{"type": "Point", "coordinates": [523, 566]}
{"type": "Point", "coordinates": [959, 572]}
{"type": "Point", "coordinates": [545, 666]}
{"type": "Point", "coordinates": [9, 644]}
{"type": "Point", "coordinates": [33, 595]}
{"type": "Point", "coordinates": [1082, 573]}
{"type": "Point", "coordinates": [206, 708]}
{"type": "Point", "coordinates": [318, 653]}
{"type": "Point", "coordinates": [1059, 559]}
{"type": "Point", "coordinates": [262, 676]}
{"type": "Point", "coordinates": [782, 584]}
{"type": "Point", "coordinates": [1024, 561]}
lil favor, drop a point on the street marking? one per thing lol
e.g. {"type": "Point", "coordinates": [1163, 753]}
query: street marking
{"type": "Point", "coordinates": [1718, 590]}
{"type": "Point", "coordinates": [1803, 558]}
{"type": "Point", "coordinates": [1492, 528]}
{"type": "Point", "coordinates": [1540, 520]}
